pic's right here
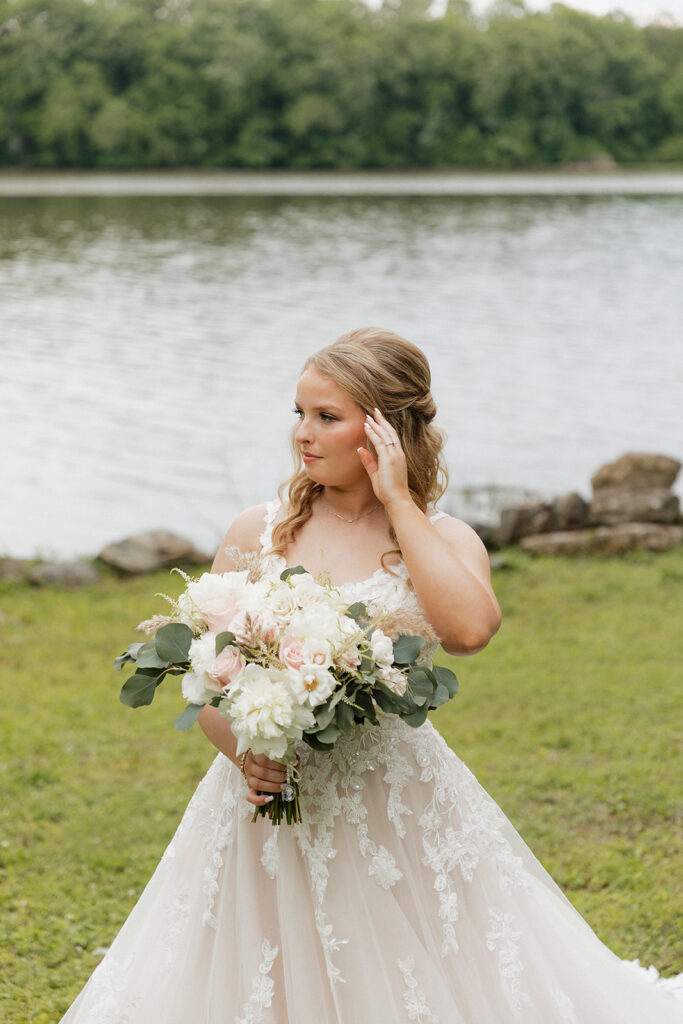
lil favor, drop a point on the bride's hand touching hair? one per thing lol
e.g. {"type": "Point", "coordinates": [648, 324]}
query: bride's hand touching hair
{"type": "Point", "coordinates": [389, 471]}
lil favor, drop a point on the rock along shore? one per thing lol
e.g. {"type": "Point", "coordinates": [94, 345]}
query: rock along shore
{"type": "Point", "coordinates": [632, 508]}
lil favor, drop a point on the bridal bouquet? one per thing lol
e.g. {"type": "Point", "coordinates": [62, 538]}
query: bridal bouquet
{"type": "Point", "coordinates": [283, 659]}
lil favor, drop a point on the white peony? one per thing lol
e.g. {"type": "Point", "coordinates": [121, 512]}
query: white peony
{"type": "Point", "coordinates": [312, 684]}
{"type": "Point", "coordinates": [263, 712]}
{"type": "Point", "coordinates": [315, 622]}
{"type": "Point", "coordinates": [198, 685]}
{"type": "Point", "coordinates": [382, 648]}
{"type": "Point", "coordinates": [306, 589]}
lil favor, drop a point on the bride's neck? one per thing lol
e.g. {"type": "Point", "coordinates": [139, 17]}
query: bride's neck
{"type": "Point", "coordinates": [351, 503]}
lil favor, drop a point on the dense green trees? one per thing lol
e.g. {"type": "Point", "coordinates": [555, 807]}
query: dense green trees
{"type": "Point", "coordinates": [324, 83]}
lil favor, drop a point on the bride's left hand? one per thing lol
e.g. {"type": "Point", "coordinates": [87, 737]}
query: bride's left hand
{"type": "Point", "coordinates": [388, 472]}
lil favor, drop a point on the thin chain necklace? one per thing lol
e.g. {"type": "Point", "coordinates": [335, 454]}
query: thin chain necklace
{"type": "Point", "coordinates": [340, 516]}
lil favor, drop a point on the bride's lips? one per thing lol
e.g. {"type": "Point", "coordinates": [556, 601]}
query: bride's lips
{"type": "Point", "coordinates": [307, 457]}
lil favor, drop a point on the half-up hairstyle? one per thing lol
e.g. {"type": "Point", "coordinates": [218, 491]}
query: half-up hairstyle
{"type": "Point", "coordinates": [376, 368]}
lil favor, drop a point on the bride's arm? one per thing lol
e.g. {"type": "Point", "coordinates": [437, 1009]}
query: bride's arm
{"type": "Point", "coordinates": [447, 562]}
{"type": "Point", "coordinates": [449, 569]}
{"type": "Point", "coordinates": [243, 534]}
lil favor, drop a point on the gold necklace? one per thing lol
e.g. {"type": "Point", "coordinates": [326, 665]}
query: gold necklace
{"type": "Point", "coordinates": [340, 516]}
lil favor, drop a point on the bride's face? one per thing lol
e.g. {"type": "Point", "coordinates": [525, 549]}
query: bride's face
{"type": "Point", "coordinates": [330, 431]}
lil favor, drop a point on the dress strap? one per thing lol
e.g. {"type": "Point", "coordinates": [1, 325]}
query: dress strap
{"type": "Point", "coordinates": [266, 538]}
{"type": "Point", "coordinates": [437, 515]}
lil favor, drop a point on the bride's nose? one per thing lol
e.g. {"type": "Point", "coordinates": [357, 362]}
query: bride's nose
{"type": "Point", "coordinates": [303, 431]}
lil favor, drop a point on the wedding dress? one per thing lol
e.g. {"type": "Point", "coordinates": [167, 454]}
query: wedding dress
{"type": "Point", "coordinates": [404, 896]}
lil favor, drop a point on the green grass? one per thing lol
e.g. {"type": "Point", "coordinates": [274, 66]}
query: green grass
{"type": "Point", "coordinates": [570, 719]}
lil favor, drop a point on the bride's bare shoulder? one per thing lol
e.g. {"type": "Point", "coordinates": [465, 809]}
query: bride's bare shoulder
{"type": "Point", "coordinates": [243, 533]}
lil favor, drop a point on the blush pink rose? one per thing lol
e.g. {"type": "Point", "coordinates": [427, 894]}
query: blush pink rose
{"type": "Point", "coordinates": [292, 652]}
{"type": "Point", "coordinates": [349, 658]}
{"type": "Point", "coordinates": [228, 666]}
{"type": "Point", "coordinates": [218, 612]}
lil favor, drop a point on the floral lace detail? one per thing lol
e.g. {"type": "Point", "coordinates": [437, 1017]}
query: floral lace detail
{"type": "Point", "coordinates": [502, 938]}
{"type": "Point", "coordinates": [383, 868]}
{"type": "Point", "coordinates": [178, 914]}
{"type": "Point", "coordinates": [564, 1006]}
{"type": "Point", "coordinates": [110, 985]}
{"type": "Point", "coordinates": [217, 827]}
{"type": "Point", "coordinates": [271, 857]}
{"type": "Point", "coordinates": [413, 997]}
{"type": "Point", "coordinates": [262, 987]}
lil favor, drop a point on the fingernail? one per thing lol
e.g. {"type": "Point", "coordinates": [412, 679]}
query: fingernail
{"type": "Point", "coordinates": [268, 799]}
{"type": "Point", "coordinates": [282, 786]}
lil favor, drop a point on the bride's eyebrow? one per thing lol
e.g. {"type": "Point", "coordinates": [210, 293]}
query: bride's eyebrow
{"type": "Point", "coordinates": [321, 408]}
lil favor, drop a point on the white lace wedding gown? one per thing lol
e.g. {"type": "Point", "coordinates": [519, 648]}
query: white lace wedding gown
{"type": "Point", "coordinates": [404, 896]}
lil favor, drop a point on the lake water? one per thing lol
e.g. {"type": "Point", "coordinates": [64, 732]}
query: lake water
{"type": "Point", "coordinates": [150, 343]}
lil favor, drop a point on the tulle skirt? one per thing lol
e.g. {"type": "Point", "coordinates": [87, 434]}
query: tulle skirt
{"type": "Point", "coordinates": [405, 895]}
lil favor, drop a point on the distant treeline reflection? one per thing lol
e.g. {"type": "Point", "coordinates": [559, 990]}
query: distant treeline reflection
{"type": "Point", "coordinates": [330, 83]}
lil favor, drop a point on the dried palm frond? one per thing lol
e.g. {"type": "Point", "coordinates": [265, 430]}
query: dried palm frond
{"type": "Point", "coordinates": [399, 622]}
{"type": "Point", "coordinates": [151, 626]}
{"type": "Point", "coordinates": [250, 560]}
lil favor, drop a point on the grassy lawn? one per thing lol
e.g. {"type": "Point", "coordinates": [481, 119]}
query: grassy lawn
{"type": "Point", "coordinates": [570, 718]}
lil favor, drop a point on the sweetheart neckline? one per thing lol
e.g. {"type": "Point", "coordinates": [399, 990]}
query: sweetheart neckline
{"type": "Point", "coordinates": [400, 565]}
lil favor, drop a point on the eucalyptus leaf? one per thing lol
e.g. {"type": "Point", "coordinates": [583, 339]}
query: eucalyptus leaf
{"type": "Point", "coordinates": [446, 678]}
{"type": "Point", "coordinates": [364, 700]}
{"type": "Point", "coordinates": [173, 642]}
{"type": "Point", "coordinates": [344, 717]}
{"type": "Point", "coordinates": [441, 696]}
{"type": "Point", "coordinates": [421, 687]}
{"type": "Point", "coordinates": [407, 648]}
{"type": "Point", "coordinates": [148, 657]}
{"type": "Point", "coordinates": [324, 714]}
{"type": "Point", "coordinates": [357, 611]}
{"type": "Point", "coordinates": [328, 735]}
{"type": "Point", "coordinates": [295, 570]}
{"type": "Point", "coordinates": [188, 717]}
{"type": "Point", "coordinates": [312, 740]}
{"type": "Point", "coordinates": [123, 659]}
{"type": "Point", "coordinates": [138, 690]}
{"type": "Point", "coordinates": [224, 640]}
{"type": "Point", "coordinates": [417, 718]}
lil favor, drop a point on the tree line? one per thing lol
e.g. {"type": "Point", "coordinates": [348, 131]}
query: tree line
{"type": "Point", "coordinates": [331, 83]}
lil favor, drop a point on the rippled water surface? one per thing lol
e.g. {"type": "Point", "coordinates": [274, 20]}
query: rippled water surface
{"type": "Point", "coordinates": [150, 345]}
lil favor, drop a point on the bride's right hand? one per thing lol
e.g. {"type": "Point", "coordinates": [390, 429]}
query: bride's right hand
{"type": "Point", "coordinates": [263, 777]}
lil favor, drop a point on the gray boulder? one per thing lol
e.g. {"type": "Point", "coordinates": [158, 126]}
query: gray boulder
{"type": "Point", "coordinates": [569, 512]}
{"type": "Point", "coordinates": [521, 520]}
{"type": "Point", "coordinates": [606, 540]}
{"type": "Point", "coordinates": [68, 574]}
{"type": "Point", "coordinates": [637, 472]}
{"type": "Point", "coordinates": [618, 505]}
{"type": "Point", "coordinates": [154, 549]}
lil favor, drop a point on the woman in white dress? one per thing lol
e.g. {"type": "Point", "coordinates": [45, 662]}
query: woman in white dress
{"type": "Point", "coordinates": [405, 894]}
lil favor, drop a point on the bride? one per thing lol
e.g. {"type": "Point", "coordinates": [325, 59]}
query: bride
{"type": "Point", "coordinates": [405, 895]}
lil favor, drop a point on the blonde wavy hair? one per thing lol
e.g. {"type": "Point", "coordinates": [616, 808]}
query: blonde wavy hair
{"type": "Point", "coordinates": [376, 368]}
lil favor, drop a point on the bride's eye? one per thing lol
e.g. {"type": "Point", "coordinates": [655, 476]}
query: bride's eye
{"type": "Point", "coordinates": [297, 412]}
{"type": "Point", "coordinates": [326, 416]}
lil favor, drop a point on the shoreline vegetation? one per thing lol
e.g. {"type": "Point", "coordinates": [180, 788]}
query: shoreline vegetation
{"type": "Point", "coordinates": [568, 718]}
{"type": "Point", "coordinates": [312, 84]}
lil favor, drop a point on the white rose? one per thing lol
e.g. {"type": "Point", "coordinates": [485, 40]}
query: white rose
{"type": "Point", "coordinates": [198, 685]}
{"type": "Point", "coordinates": [306, 589]}
{"type": "Point", "coordinates": [282, 601]}
{"type": "Point", "coordinates": [211, 587]}
{"type": "Point", "coordinates": [316, 652]}
{"type": "Point", "coordinates": [312, 684]}
{"type": "Point", "coordinates": [382, 648]}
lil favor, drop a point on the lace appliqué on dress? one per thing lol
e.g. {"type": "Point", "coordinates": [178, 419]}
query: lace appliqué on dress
{"type": "Point", "coordinates": [414, 998]}
{"type": "Point", "coordinates": [502, 939]}
{"type": "Point", "coordinates": [262, 987]}
{"type": "Point", "coordinates": [111, 985]}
